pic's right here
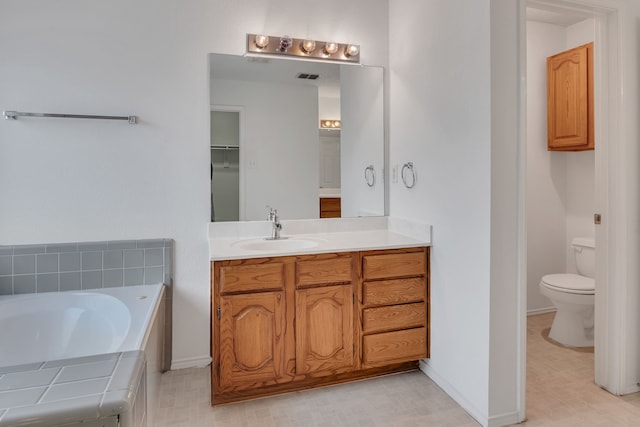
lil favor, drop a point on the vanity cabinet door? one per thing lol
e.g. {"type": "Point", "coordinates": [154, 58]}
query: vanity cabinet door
{"type": "Point", "coordinates": [251, 340]}
{"type": "Point", "coordinates": [324, 330]}
{"type": "Point", "coordinates": [570, 100]}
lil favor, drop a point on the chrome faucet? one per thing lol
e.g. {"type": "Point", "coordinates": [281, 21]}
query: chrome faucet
{"type": "Point", "coordinates": [275, 220]}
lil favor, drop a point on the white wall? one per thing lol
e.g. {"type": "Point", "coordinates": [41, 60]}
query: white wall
{"type": "Point", "coordinates": [440, 120]}
{"type": "Point", "coordinates": [560, 185]}
{"type": "Point", "coordinates": [361, 140]}
{"type": "Point", "coordinates": [65, 180]}
{"type": "Point", "coordinates": [328, 108]}
{"type": "Point", "coordinates": [546, 170]}
{"type": "Point", "coordinates": [280, 142]}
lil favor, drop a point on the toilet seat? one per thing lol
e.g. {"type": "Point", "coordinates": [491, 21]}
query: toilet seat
{"type": "Point", "coordinates": [569, 283]}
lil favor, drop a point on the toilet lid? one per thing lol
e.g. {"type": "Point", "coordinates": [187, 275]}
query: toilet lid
{"type": "Point", "coordinates": [572, 283]}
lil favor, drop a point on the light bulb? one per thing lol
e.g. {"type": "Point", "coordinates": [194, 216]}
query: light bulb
{"type": "Point", "coordinates": [330, 48]}
{"type": "Point", "coordinates": [261, 41]}
{"type": "Point", "coordinates": [285, 43]}
{"type": "Point", "coordinates": [336, 123]}
{"type": "Point", "coordinates": [351, 50]}
{"type": "Point", "coordinates": [308, 46]}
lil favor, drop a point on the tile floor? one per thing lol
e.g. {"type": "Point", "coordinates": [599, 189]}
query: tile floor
{"type": "Point", "coordinates": [560, 392]}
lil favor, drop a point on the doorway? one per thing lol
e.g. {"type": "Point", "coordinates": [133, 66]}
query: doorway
{"type": "Point", "coordinates": [606, 87]}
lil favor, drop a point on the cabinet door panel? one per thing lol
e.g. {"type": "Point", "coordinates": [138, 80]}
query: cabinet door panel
{"type": "Point", "coordinates": [251, 341]}
{"type": "Point", "coordinates": [324, 329]}
{"type": "Point", "coordinates": [570, 99]}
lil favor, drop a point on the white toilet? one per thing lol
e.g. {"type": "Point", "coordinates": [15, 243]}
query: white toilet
{"type": "Point", "coordinates": [574, 297]}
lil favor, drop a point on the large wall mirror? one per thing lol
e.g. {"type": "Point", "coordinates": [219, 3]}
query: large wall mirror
{"type": "Point", "coordinates": [267, 147]}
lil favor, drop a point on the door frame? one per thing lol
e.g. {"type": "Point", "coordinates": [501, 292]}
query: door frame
{"type": "Point", "coordinates": [241, 152]}
{"type": "Point", "coordinates": [610, 329]}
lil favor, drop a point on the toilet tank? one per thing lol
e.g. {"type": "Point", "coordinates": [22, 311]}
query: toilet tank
{"type": "Point", "coordinates": [584, 249]}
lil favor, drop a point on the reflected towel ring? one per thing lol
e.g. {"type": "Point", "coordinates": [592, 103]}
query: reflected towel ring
{"type": "Point", "coordinates": [409, 180]}
{"type": "Point", "coordinates": [370, 175]}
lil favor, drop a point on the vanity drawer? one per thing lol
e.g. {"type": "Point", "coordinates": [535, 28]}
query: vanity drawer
{"type": "Point", "coordinates": [394, 347]}
{"type": "Point", "coordinates": [251, 278]}
{"type": "Point", "coordinates": [393, 317]}
{"type": "Point", "coordinates": [397, 291]}
{"type": "Point", "coordinates": [394, 265]}
{"type": "Point", "coordinates": [324, 271]}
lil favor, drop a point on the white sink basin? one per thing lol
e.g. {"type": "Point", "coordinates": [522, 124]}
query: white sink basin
{"type": "Point", "coordinates": [284, 244]}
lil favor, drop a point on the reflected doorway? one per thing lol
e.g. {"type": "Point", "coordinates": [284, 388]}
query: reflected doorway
{"type": "Point", "coordinates": [225, 165]}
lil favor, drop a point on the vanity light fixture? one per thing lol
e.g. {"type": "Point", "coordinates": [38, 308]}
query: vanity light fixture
{"type": "Point", "coordinates": [261, 41]}
{"type": "Point", "coordinates": [285, 44]}
{"type": "Point", "coordinates": [330, 48]}
{"type": "Point", "coordinates": [308, 46]}
{"type": "Point", "coordinates": [351, 50]}
{"type": "Point", "coordinates": [264, 45]}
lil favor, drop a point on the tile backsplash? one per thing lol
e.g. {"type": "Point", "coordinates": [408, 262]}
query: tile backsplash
{"type": "Point", "coordinates": [84, 265]}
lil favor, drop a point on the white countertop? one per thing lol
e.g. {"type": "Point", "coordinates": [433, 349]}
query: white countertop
{"type": "Point", "coordinates": [247, 240]}
{"type": "Point", "coordinates": [330, 192]}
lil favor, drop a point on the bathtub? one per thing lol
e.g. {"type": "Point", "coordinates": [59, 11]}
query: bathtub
{"type": "Point", "coordinates": [63, 325]}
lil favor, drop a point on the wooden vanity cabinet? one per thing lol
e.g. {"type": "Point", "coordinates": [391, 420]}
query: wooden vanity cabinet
{"type": "Point", "coordinates": [294, 322]}
{"type": "Point", "coordinates": [395, 306]}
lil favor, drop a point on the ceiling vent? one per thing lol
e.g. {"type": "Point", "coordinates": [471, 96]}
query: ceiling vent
{"type": "Point", "coordinates": [306, 76]}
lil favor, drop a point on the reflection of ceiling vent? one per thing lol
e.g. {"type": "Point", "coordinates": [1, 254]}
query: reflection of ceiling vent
{"type": "Point", "coordinates": [307, 76]}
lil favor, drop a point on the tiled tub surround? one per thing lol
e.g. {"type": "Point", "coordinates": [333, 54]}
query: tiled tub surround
{"type": "Point", "coordinates": [331, 235]}
{"type": "Point", "coordinates": [40, 394]}
{"type": "Point", "coordinates": [86, 265]}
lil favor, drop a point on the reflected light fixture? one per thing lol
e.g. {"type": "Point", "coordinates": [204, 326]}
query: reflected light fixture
{"type": "Point", "coordinates": [265, 45]}
{"type": "Point", "coordinates": [330, 124]}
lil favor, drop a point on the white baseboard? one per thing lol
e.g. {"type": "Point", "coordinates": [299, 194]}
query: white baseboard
{"type": "Point", "coordinates": [632, 388]}
{"type": "Point", "coordinates": [494, 421]}
{"type": "Point", "coordinates": [454, 394]}
{"type": "Point", "coordinates": [541, 311]}
{"type": "Point", "coordinates": [190, 362]}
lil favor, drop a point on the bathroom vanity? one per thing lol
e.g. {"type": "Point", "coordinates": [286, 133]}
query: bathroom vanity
{"type": "Point", "coordinates": [307, 312]}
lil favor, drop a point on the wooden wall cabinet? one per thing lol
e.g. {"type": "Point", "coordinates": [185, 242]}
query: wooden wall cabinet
{"type": "Point", "coordinates": [570, 100]}
{"type": "Point", "coordinates": [289, 323]}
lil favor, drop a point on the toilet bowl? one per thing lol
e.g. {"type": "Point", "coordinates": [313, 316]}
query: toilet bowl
{"type": "Point", "coordinates": [574, 296]}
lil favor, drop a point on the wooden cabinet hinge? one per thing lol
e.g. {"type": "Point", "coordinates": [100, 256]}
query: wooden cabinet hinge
{"type": "Point", "coordinates": [218, 313]}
